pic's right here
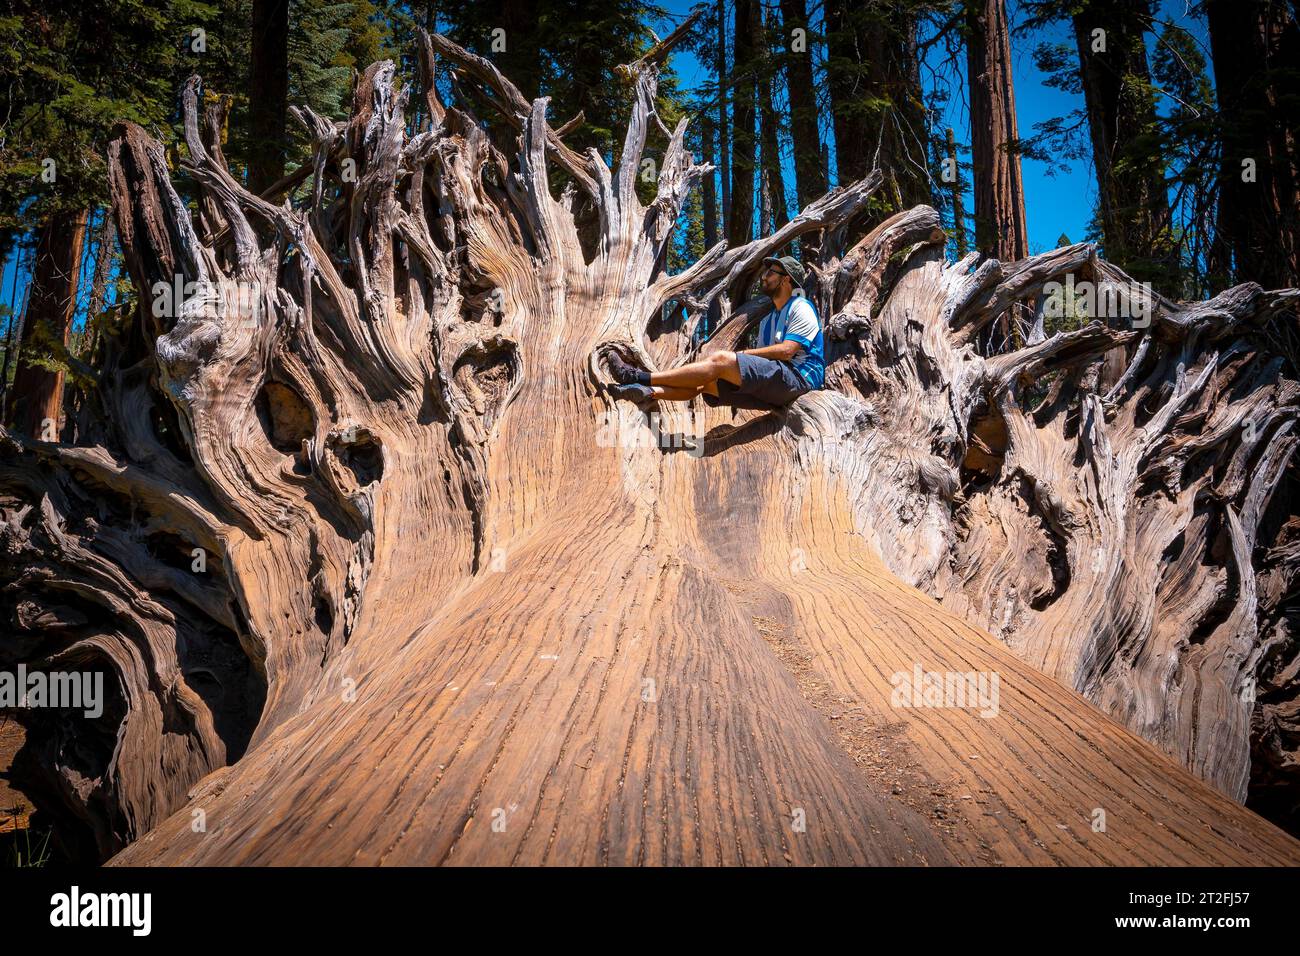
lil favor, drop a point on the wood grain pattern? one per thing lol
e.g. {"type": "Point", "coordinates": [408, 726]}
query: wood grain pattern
{"type": "Point", "coordinates": [461, 607]}
{"type": "Point", "coordinates": [523, 698]}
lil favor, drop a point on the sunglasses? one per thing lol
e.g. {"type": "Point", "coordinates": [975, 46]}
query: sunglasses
{"type": "Point", "coordinates": [775, 271]}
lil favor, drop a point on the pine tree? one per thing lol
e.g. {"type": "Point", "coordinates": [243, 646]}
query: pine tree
{"type": "Point", "coordinates": [319, 65]}
{"type": "Point", "coordinates": [810, 174]}
{"type": "Point", "coordinates": [72, 72]}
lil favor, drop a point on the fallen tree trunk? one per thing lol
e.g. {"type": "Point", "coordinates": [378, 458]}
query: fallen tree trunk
{"type": "Point", "coordinates": [380, 574]}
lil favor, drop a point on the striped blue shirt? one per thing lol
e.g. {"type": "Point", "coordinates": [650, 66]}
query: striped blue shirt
{"type": "Point", "coordinates": [797, 321]}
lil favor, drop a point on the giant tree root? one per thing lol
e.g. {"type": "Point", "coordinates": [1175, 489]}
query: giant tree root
{"type": "Point", "coordinates": [371, 587]}
{"type": "Point", "coordinates": [676, 677]}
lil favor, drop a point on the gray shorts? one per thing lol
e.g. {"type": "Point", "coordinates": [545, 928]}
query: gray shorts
{"type": "Point", "coordinates": [764, 384]}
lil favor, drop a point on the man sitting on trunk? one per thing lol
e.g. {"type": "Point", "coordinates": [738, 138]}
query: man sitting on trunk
{"type": "Point", "coordinates": [788, 362]}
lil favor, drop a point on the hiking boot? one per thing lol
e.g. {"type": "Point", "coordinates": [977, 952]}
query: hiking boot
{"type": "Point", "coordinates": [626, 374]}
{"type": "Point", "coordinates": [632, 391]}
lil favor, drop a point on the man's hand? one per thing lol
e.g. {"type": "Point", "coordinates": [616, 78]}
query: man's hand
{"type": "Point", "coordinates": [781, 350]}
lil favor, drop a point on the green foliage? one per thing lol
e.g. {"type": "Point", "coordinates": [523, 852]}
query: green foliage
{"type": "Point", "coordinates": [69, 71]}
{"type": "Point", "coordinates": [1189, 141]}
{"type": "Point", "coordinates": [1166, 142]}
{"type": "Point", "coordinates": [569, 51]}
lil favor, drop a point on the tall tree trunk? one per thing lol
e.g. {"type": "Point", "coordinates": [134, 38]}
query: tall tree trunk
{"type": "Point", "coordinates": [13, 328]}
{"type": "Point", "coordinates": [805, 132]}
{"type": "Point", "coordinates": [269, 103]}
{"type": "Point", "coordinates": [910, 126]}
{"type": "Point", "coordinates": [1258, 222]}
{"type": "Point", "coordinates": [744, 153]}
{"type": "Point", "coordinates": [407, 426]}
{"type": "Point", "coordinates": [105, 244]}
{"type": "Point", "coordinates": [848, 88]}
{"type": "Point", "coordinates": [724, 98]}
{"type": "Point", "coordinates": [876, 100]}
{"type": "Point", "coordinates": [711, 220]}
{"type": "Point", "coordinates": [778, 212]}
{"type": "Point", "coordinates": [999, 194]}
{"type": "Point", "coordinates": [958, 201]}
{"type": "Point", "coordinates": [1121, 121]}
{"type": "Point", "coordinates": [37, 393]}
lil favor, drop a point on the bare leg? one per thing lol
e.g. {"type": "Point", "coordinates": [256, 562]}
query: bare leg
{"type": "Point", "coordinates": [669, 393]}
{"type": "Point", "coordinates": [716, 366]}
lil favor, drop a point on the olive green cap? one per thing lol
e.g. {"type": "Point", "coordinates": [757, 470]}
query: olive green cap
{"type": "Point", "coordinates": [792, 268]}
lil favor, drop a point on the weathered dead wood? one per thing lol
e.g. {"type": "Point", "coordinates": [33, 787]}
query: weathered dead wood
{"type": "Point", "coordinates": [442, 620]}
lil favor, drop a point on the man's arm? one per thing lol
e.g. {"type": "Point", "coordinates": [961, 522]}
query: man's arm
{"type": "Point", "coordinates": [781, 350]}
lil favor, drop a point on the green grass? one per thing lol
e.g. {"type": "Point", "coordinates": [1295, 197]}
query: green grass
{"type": "Point", "coordinates": [22, 852]}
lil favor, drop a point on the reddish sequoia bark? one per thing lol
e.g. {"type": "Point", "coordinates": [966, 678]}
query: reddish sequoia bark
{"type": "Point", "coordinates": [999, 195]}
{"type": "Point", "coordinates": [489, 630]}
{"type": "Point", "coordinates": [37, 392]}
